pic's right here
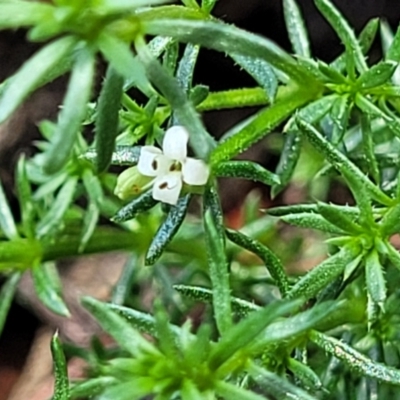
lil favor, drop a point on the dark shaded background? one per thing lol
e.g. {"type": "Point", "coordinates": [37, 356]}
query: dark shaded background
{"type": "Point", "coordinates": [264, 17]}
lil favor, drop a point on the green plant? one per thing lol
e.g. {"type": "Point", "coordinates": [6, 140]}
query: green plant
{"type": "Point", "coordinates": [330, 333]}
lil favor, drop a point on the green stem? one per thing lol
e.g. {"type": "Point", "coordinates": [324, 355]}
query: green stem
{"type": "Point", "coordinates": [22, 253]}
{"type": "Point", "coordinates": [102, 240]}
{"type": "Point", "coordinates": [230, 40]}
{"type": "Point", "coordinates": [200, 140]}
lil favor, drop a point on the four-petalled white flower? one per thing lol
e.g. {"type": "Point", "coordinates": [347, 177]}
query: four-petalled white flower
{"type": "Point", "coordinates": [170, 167]}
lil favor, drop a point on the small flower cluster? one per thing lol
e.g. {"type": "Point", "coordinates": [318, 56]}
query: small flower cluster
{"type": "Point", "coordinates": [166, 170]}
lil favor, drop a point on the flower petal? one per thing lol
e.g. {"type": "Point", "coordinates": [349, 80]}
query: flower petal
{"type": "Point", "coordinates": [195, 172]}
{"type": "Point", "coordinates": [148, 163]}
{"type": "Point", "coordinates": [167, 188]}
{"type": "Point", "coordinates": [175, 143]}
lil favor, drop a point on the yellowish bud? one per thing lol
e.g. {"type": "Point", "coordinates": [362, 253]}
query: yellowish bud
{"type": "Point", "coordinates": [130, 183]}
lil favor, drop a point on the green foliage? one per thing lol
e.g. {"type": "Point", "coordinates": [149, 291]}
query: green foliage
{"type": "Point", "coordinates": [61, 386]}
{"type": "Point", "coordinates": [266, 331]}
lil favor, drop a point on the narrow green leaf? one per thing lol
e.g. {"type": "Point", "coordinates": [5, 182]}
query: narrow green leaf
{"type": "Point", "coordinates": [313, 68]}
{"type": "Point", "coordinates": [92, 387]}
{"type": "Point", "coordinates": [344, 311]}
{"type": "Point", "coordinates": [387, 37]}
{"type": "Point", "coordinates": [385, 160]}
{"type": "Point", "coordinates": [18, 14]}
{"type": "Point", "coordinates": [350, 211]}
{"type": "Point", "coordinates": [198, 348]}
{"type": "Point", "coordinates": [338, 218]}
{"type": "Point", "coordinates": [373, 311]}
{"type": "Point", "coordinates": [6, 297]}
{"type": "Point", "coordinates": [231, 40]}
{"type": "Point", "coordinates": [48, 188]}
{"type": "Point", "coordinates": [33, 74]}
{"type": "Point", "coordinates": [261, 71]}
{"type": "Point", "coordinates": [52, 220]}
{"type": "Point", "coordinates": [72, 113]}
{"type": "Point", "coordinates": [200, 140]}
{"type": "Point", "coordinates": [167, 230]}
{"type": "Point", "coordinates": [247, 330]}
{"type": "Point", "coordinates": [341, 162]}
{"type": "Point", "coordinates": [90, 220]}
{"type": "Point", "coordinates": [305, 374]}
{"type": "Point", "coordinates": [331, 74]}
{"type": "Point", "coordinates": [291, 151]}
{"type": "Point", "coordinates": [363, 199]}
{"type": "Point", "coordinates": [247, 170]}
{"type": "Point", "coordinates": [234, 98]}
{"type": "Point", "coordinates": [378, 74]}
{"type": "Point", "coordinates": [312, 221]}
{"type": "Point", "coordinates": [185, 71]}
{"type": "Point", "coordinates": [126, 155]}
{"type": "Point", "coordinates": [313, 112]}
{"type": "Point", "coordinates": [142, 203]}
{"type": "Point", "coordinates": [170, 57]}
{"type": "Point", "coordinates": [323, 274]}
{"type": "Point", "coordinates": [141, 321]}
{"type": "Point", "coordinates": [288, 160]}
{"type": "Point", "coordinates": [368, 107]}
{"type": "Point", "coordinates": [369, 148]}
{"type": "Point", "coordinates": [61, 385]}
{"type": "Point", "coordinates": [174, 12]}
{"type": "Point", "coordinates": [166, 337]}
{"type": "Point", "coordinates": [137, 388]}
{"type": "Point", "coordinates": [366, 39]}
{"type": "Point", "coordinates": [191, 3]}
{"type": "Point", "coordinates": [48, 288]}
{"type": "Point", "coordinates": [122, 289]}
{"type": "Point", "coordinates": [355, 360]}
{"type": "Point", "coordinates": [25, 198]}
{"type": "Point", "coordinates": [393, 52]}
{"type": "Point", "coordinates": [198, 94]}
{"type": "Point", "coordinates": [208, 5]}
{"type": "Point", "coordinates": [345, 33]}
{"type": "Point", "coordinates": [393, 255]}
{"type": "Point", "coordinates": [106, 124]}
{"type": "Point", "coordinates": [7, 223]}
{"type": "Point", "coordinates": [127, 6]}
{"type": "Point", "coordinates": [205, 295]}
{"type": "Point", "coordinates": [189, 391]}
{"type": "Point", "coordinates": [391, 119]}
{"type": "Point", "coordinates": [158, 45]}
{"type": "Point", "coordinates": [289, 328]}
{"type": "Point", "coordinates": [272, 262]}
{"type": "Point", "coordinates": [292, 209]}
{"type": "Point", "coordinates": [230, 391]}
{"type": "Point", "coordinates": [93, 187]}
{"type": "Point", "coordinates": [340, 114]}
{"type": "Point", "coordinates": [127, 337]}
{"type": "Point", "coordinates": [217, 260]}
{"type": "Point", "coordinates": [123, 155]}
{"type": "Point", "coordinates": [279, 387]}
{"type": "Point", "coordinates": [266, 120]}
{"type": "Point", "coordinates": [296, 28]}
{"type": "Point", "coordinates": [376, 284]}
{"type": "Point", "coordinates": [119, 55]}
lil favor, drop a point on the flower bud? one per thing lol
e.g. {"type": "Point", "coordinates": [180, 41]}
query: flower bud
{"type": "Point", "coordinates": [130, 183]}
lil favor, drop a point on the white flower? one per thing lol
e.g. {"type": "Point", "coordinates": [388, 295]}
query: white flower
{"type": "Point", "coordinates": [170, 167]}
